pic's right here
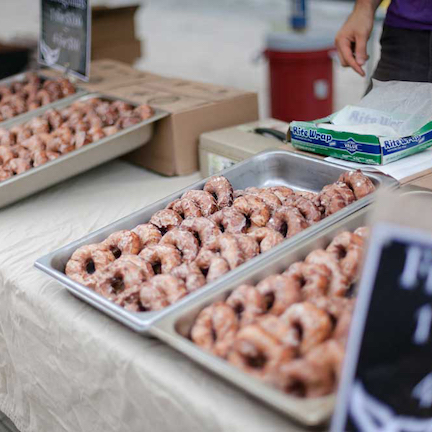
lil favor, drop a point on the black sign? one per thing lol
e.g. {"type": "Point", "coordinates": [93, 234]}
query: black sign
{"type": "Point", "coordinates": [387, 378]}
{"type": "Point", "coordinates": [64, 40]}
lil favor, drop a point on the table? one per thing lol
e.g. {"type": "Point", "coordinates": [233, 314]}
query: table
{"type": "Point", "coordinates": [65, 366]}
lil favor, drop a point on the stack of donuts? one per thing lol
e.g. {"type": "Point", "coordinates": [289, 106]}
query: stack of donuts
{"type": "Point", "coordinates": [58, 132]}
{"type": "Point", "coordinates": [290, 329]}
{"type": "Point", "coordinates": [201, 236]}
{"type": "Point", "coordinates": [31, 93]}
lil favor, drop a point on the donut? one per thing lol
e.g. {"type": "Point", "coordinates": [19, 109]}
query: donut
{"type": "Point", "coordinates": [18, 165]}
{"type": "Point", "coordinates": [248, 246]}
{"type": "Point", "coordinates": [161, 291]}
{"type": "Point", "coordinates": [123, 242]}
{"type": "Point", "coordinates": [314, 279]}
{"type": "Point", "coordinates": [288, 221]}
{"type": "Point", "coordinates": [358, 182]}
{"type": "Point", "coordinates": [162, 257]}
{"type": "Point", "coordinates": [347, 248]}
{"type": "Point", "coordinates": [215, 328]}
{"type": "Point", "coordinates": [34, 143]}
{"type": "Point", "coordinates": [166, 220]}
{"type": "Point", "coordinates": [267, 238]}
{"type": "Point", "coordinates": [247, 302]}
{"type": "Point", "coordinates": [363, 232]}
{"type": "Point", "coordinates": [185, 207]}
{"type": "Point", "coordinates": [221, 189]}
{"type": "Point", "coordinates": [184, 241]}
{"type": "Point", "coordinates": [308, 209]}
{"type": "Point", "coordinates": [230, 220]}
{"type": "Point", "coordinates": [227, 245]}
{"type": "Point", "coordinates": [204, 200]}
{"type": "Point", "coordinates": [341, 330]}
{"type": "Point", "coordinates": [211, 264]}
{"type": "Point", "coordinates": [39, 157]}
{"type": "Point", "coordinates": [86, 261]}
{"type": "Point", "coordinates": [282, 192]}
{"type": "Point", "coordinates": [5, 174]}
{"type": "Point", "coordinates": [339, 283]}
{"type": "Point", "coordinates": [279, 292]}
{"type": "Point", "coordinates": [6, 154]}
{"type": "Point", "coordinates": [311, 325]}
{"type": "Point", "coordinates": [270, 199]}
{"type": "Point", "coordinates": [334, 306]}
{"type": "Point", "coordinates": [206, 231]}
{"type": "Point", "coordinates": [148, 234]}
{"type": "Point", "coordinates": [191, 274]}
{"type": "Point", "coordinates": [254, 208]}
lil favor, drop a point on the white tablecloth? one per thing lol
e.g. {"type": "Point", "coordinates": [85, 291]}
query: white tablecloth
{"type": "Point", "coordinates": [65, 366]}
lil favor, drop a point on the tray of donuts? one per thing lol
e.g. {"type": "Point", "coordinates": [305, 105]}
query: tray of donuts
{"type": "Point", "coordinates": [22, 95]}
{"type": "Point", "coordinates": [278, 330]}
{"type": "Point", "coordinates": [145, 265]}
{"type": "Point", "coordinates": [68, 139]}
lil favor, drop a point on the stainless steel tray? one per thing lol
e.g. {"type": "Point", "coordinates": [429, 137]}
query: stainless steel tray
{"type": "Point", "coordinates": [269, 168]}
{"type": "Point", "coordinates": [34, 113]}
{"type": "Point", "coordinates": [77, 161]}
{"type": "Point", "coordinates": [175, 327]}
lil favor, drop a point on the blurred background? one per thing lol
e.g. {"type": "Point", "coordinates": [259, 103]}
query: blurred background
{"type": "Point", "coordinates": [215, 41]}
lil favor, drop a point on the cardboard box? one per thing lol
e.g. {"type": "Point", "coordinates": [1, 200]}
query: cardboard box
{"type": "Point", "coordinates": [127, 52]}
{"type": "Point", "coordinates": [368, 149]}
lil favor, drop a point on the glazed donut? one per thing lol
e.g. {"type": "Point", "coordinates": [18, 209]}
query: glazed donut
{"type": "Point", "coordinates": [279, 293]}
{"type": "Point", "coordinates": [205, 229]}
{"type": "Point", "coordinates": [314, 279]}
{"type": "Point", "coordinates": [333, 203]}
{"type": "Point", "coordinates": [66, 87]}
{"type": "Point", "coordinates": [81, 139]}
{"type": "Point", "coordinates": [308, 209]}
{"type": "Point", "coordinates": [6, 154]}
{"type": "Point", "coordinates": [54, 118]}
{"type": "Point", "coordinates": [5, 174]}
{"type": "Point", "coordinates": [7, 138]}
{"type": "Point", "coordinates": [204, 200]}
{"type": "Point", "coordinates": [123, 242]}
{"type": "Point", "coordinates": [270, 199]}
{"type": "Point", "coordinates": [253, 208]}
{"type": "Point", "coordinates": [211, 264]}
{"type": "Point", "coordinates": [358, 182]}
{"type": "Point", "coordinates": [282, 192]}
{"type": "Point", "coordinates": [339, 283]}
{"type": "Point", "coordinates": [266, 238]}
{"type": "Point", "coordinates": [122, 275]}
{"type": "Point", "coordinates": [288, 221]}
{"type": "Point", "coordinates": [51, 155]}
{"type": "Point", "coordinates": [363, 232]}
{"type": "Point", "coordinates": [221, 189]}
{"type": "Point", "coordinates": [108, 130]}
{"type": "Point", "coordinates": [184, 241]}
{"type": "Point", "coordinates": [166, 220]}
{"type": "Point", "coordinates": [87, 261]}
{"type": "Point", "coordinates": [247, 302]}
{"type": "Point", "coordinates": [161, 291]}
{"type": "Point", "coordinates": [248, 246]}
{"type": "Point", "coordinates": [334, 306]}
{"type": "Point", "coordinates": [310, 324]}
{"type": "Point", "coordinates": [18, 165]}
{"type": "Point", "coordinates": [148, 234]}
{"type": "Point", "coordinates": [258, 352]}
{"type": "Point", "coordinates": [191, 274]}
{"type": "Point", "coordinates": [215, 328]}
{"type": "Point", "coordinates": [23, 133]}
{"type": "Point", "coordinates": [185, 207]}
{"type": "Point", "coordinates": [347, 248]}
{"type": "Point", "coordinates": [341, 330]}
{"type": "Point", "coordinates": [301, 378]}
{"type": "Point", "coordinates": [144, 111]}
{"type": "Point", "coordinates": [227, 245]}
{"type": "Point", "coordinates": [230, 220]}
{"type": "Point", "coordinates": [39, 157]}
{"type": "Point", "coordinates": [162, 257]}
{"type": "Point", "coordinates": [34, 143]}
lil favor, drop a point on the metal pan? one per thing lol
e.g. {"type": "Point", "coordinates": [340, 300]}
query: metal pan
{"type": "Point", "coordinates": [77, 161]}
{"type": "Point", "coordinates": [174, 329]}
{"type": "Point", "coordinates": [269, 168]}
{"type": "Point", "coordinates": [34, 113]}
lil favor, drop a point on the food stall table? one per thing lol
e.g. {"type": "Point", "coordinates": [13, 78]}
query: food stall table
{"type": "Point", "coordinates": [65, 366]}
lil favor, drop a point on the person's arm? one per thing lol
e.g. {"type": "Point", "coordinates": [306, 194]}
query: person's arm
{"type": "Point", "coordinates": [351, 41]}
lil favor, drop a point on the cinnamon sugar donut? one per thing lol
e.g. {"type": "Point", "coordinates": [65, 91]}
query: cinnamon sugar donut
{"type": "Point", "coordinates": [288, 220]}
{"type": "Point", "coordinates": [191, 274]}
{"type": "Point", "coordinates": [267, 238]}
{"type": "Point", "coordinates": [247, 302]}
{"type": "Point", "coordinates": [279, 292]}
{"type": "Point", "coordinates": [184, 241]}
{"type": "Point", "coordinates": [253, 208]}
{"type": "Point", "coordinates": [161, 291]}
{"type": "Point", "coordinates": [230, 220]}
{"type": "Point", "coordinates": [86, 261]}
{"type": "Point", "coordinates": [123, 242]}
{"type": "Point", "coordinates": [215, 328]}
{"type": "Point", "coordinates": [185, 207]}
{"type": "Point", "coordinates": [311, 325]}
{"type": "Point", "coordinates": [205, 229]}
{"type": "Point", "coordinates": [211, 264]}
{"type": "Point", "coordinates": [162, 257]}
{"type": "Point", "coordinates": [166, 220]}
{"type": "Point", "coordinates": [204, 200]}
{"type": "Point", "coordinates": [221, 189]}
{"type": "Point", "coordinates": [358, 182]}
{"type": "Point", "coordinates": [148, 234]}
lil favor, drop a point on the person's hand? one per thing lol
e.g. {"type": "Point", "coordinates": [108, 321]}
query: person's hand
{"type": "Point", "coordinates": [351, 41]}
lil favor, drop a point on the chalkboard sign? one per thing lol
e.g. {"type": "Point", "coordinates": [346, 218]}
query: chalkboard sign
{"type": "Point", "coordinates": [64, 39]}
{"type": "Point", "coordinates": [387, 378]}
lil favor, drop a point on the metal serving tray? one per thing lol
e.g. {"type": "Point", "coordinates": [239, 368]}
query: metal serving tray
{"type": "Point", "coordinates": [34, 113]}
{"type": "Point", "coordinates": [174, 329]}
{"type": "Point", "coordinates": [269, 168]}
{"type": "Point", "coordinates": [77, 161]}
